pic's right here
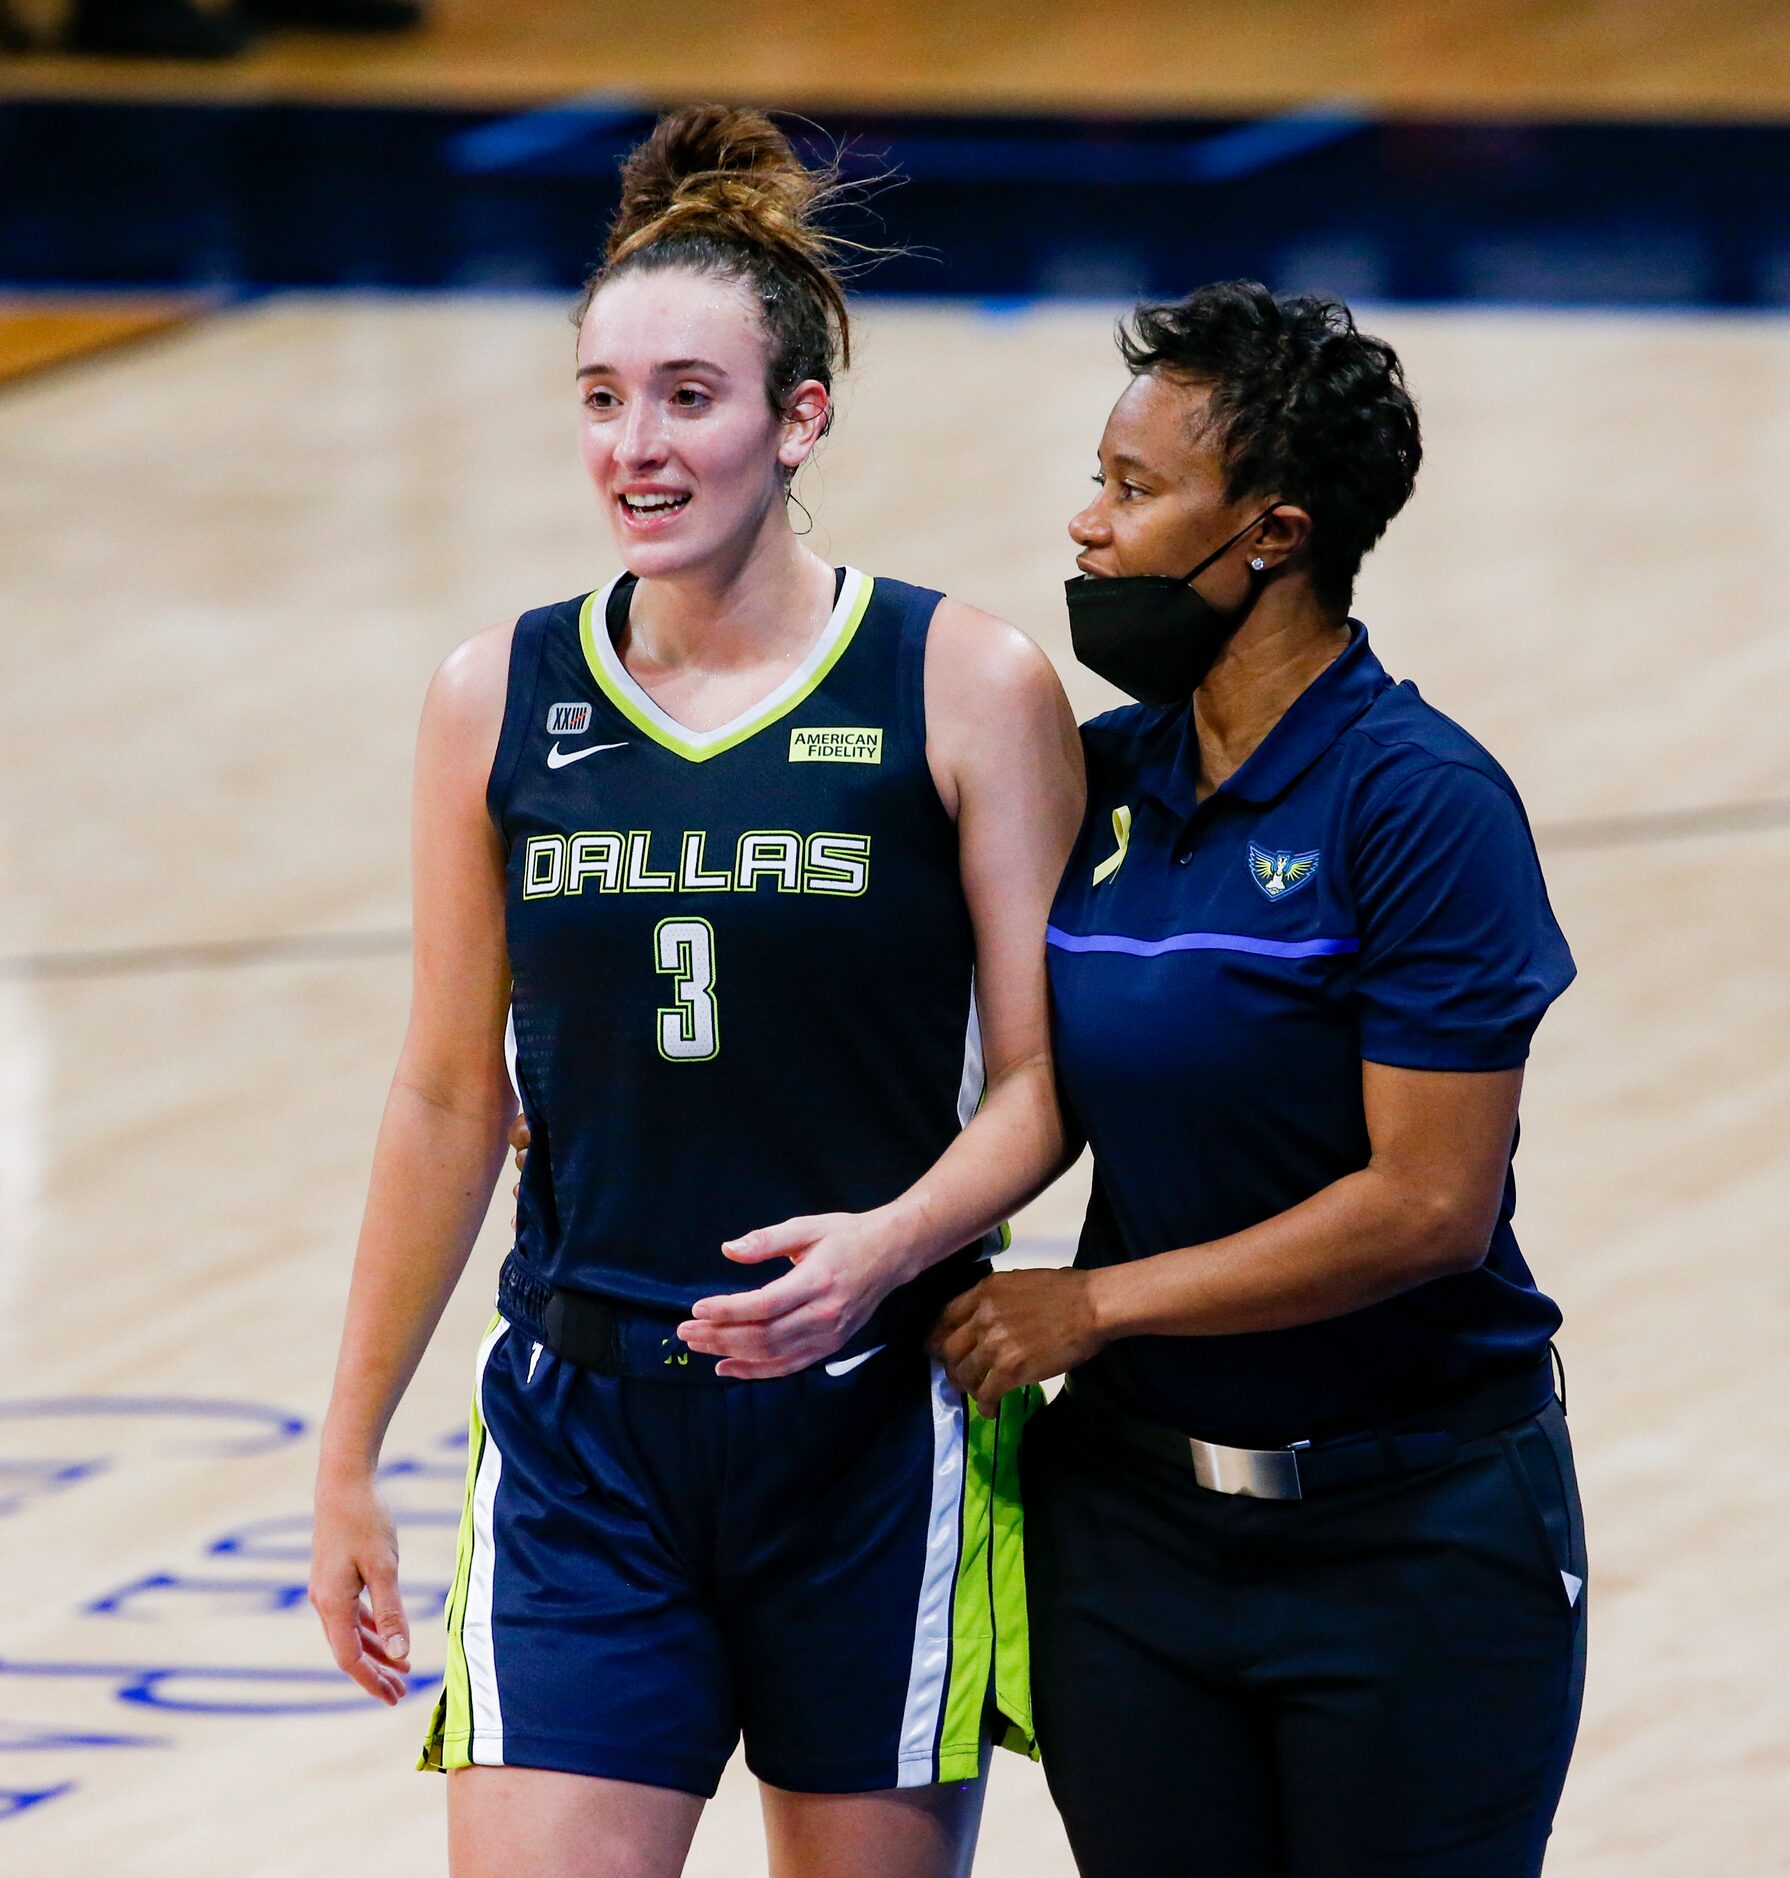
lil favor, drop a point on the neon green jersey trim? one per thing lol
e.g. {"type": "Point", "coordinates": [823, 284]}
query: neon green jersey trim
{"type": "Point", "coordinates": [990, 1642]}
{"type": "Point", "coordinates": [1007, 1574]}
{"type": "Point", "coordinates": [695, 746]}
{"type": "Point", "coordinates": [450, 1727]}
{"type": "Point", "coordinates": [972, 1618]}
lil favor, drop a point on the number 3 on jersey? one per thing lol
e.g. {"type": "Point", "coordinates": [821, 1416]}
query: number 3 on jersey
{"type": "Point", "coordinates": [684, 950]}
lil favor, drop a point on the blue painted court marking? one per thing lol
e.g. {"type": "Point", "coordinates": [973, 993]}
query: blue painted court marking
{"type": "Point", "coordinates": [231, 1597]}
{"type": "Point", "coordinates": [17, 1800]}
{"type": "Point", "coordinates": [261, 1596]}
{"type": "Point", "coordinates": [161, 1686]}
{"type": "Point", "coordinates": [24, 1481]}
{"type": "Point", "coordinates": [1199, 942]}
{"type": "Point", "coordinates": [285, 1538]}
{"type": "Point", "coordinates": [21, 1738]}
{"type": "Point", "coordinates": [275, 1427]}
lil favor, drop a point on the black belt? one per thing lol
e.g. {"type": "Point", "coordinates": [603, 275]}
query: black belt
{"type": "Point", "coordinates": [625, 1340]}
{"type": "Point", "coordinates": [1410, 1445]}
{"type": "Point", "coordinates": [577, 1325]}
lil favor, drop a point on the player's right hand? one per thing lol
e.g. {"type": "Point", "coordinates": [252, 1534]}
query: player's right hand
{"type": "Point", "coordinates": [354, 1585]}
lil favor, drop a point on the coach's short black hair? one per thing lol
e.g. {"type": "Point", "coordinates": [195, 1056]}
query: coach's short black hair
{"type": "Point", "coordinates": [1304, 407]}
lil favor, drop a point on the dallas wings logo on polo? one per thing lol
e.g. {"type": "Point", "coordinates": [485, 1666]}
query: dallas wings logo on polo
{"type": "Point", "coordinates": [1279, 874]}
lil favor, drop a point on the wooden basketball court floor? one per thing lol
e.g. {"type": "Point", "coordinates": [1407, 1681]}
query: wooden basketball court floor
{"type": "Point", "coordinates": [1478, 58]}
{"type": "Point", "coordinates": [232, 558]}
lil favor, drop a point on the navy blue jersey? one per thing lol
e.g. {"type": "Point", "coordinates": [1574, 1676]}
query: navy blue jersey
{"type": "Point", "coordinates": [742, 960]}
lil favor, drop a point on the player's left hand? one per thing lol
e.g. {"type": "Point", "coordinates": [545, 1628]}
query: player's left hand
{"type": "Point", "coordinates": [844, 1265]}
{"type": "Point", "coordinates": [1014, 1328]}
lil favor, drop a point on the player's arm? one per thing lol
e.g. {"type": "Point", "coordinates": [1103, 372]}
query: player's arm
{"type": "Point", "coordinates": [1008, 762]}
{"type": "Point", "coordinates": [1424, 1206]}
{"type": "Point", "coordinates": [1006, 758]}
{"type": "Point", "coordinates": [440, 1146]}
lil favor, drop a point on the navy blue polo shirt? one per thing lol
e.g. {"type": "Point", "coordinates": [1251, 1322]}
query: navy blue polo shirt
{"type": "Point", "coordinates": [1364, 887]}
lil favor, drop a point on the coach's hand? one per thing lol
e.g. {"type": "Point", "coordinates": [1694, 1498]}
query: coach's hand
{"type": "Point", "coordinates": [845, 1264]}
{"type": "Point", "coordinates": [519, 1140]}
{"type": "Point", "coordinates": [1015, 1328]}
{"type": "Point", "coordinates": [354, 1551]}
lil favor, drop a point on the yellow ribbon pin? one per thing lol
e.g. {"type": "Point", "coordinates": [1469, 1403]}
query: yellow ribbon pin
{"type": "Point", "coordinates": [1122, 834]}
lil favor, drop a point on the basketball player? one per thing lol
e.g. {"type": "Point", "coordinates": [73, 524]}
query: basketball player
{"type": "Point", "coordinates": [726, 841]}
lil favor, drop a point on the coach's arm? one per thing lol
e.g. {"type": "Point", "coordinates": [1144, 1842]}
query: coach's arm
{"type": "Point", "coordinates": [1425, 1205]}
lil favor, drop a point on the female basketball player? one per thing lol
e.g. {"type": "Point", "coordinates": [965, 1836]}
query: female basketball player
{"type": "Point", "coordinates": [726, 841]}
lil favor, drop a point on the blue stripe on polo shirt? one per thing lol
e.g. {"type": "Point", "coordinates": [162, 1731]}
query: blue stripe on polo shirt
{"type": "Point", "coordinates": [1199, 942]}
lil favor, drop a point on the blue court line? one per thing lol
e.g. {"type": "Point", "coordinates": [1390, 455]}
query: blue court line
{"type": "Point", "coordinates": [276, 1426]}
{"type": "Point", "coordinates": [1199, 942]}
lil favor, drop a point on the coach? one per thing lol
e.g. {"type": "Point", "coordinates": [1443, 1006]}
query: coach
{"type": "Point", "coordinates": [1305, 1558]}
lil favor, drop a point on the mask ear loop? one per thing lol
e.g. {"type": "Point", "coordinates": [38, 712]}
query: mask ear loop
{"type": "Point", "coordinates": [1224, 547]}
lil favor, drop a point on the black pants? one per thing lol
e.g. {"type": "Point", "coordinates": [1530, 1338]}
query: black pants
{"type": "Point", "coordinates": [1383, 1682]}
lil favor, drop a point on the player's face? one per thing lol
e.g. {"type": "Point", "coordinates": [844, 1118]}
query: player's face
{"type": "Point", "coordinates": [1159, 506]}
{"type": "Point", "coordinates": [678, 435]}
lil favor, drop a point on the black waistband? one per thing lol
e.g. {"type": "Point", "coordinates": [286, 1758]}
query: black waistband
{"type": "Point", "coordinates": [1411, 1444]}
{"type": "Point", "coordinates": [627, 1340]}
{"type": "Point", "coordinates": [598, 1334]}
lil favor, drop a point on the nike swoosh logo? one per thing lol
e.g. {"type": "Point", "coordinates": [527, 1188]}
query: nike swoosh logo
{"type": "Point", "coordinates": [558, 758]}
{"type": "Point", "coordinates": [847, 1364]}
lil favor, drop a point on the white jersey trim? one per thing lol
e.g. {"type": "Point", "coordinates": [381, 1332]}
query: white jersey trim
{"type": "Point", "coordinates": [618, 678]}
{"type": "Point", "coordinates": [929, 1676]}
{"type": "Point", "coordinates": [477, 1637]}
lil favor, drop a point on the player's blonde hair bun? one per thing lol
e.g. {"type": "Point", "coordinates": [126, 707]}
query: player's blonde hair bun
{"type": "Point", "coordinates": [712, 179]}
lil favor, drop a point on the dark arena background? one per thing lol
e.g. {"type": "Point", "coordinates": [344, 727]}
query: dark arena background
{"type": "Point", "coordinates": [285, 414]}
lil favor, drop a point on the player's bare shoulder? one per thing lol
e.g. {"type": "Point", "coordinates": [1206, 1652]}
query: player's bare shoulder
{"type": "Point", "coordinates": [469, 684]}
{"type": "Point", "coordinates": [992, 696]}
{"type": "Point", "coordinates": [970, 652]}
{"type": "Point", "coordinates": [463, 709]}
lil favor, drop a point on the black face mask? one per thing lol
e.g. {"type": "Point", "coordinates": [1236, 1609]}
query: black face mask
{"type": "Point", "coordinates": [1153, 636]}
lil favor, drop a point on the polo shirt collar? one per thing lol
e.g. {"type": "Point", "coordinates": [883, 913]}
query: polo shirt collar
{"type": "Point", "coordinates": [1313, 722]}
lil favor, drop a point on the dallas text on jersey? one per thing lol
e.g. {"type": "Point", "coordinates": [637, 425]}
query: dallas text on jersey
{"type": "Point", "coordinates": [611, 861]}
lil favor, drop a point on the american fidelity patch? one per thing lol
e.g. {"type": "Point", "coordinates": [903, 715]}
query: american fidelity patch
{"type": "Point", "coordinates": [812, 745]}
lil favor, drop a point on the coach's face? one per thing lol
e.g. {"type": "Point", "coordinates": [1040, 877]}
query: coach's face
{"type": "Point", "coordinates": [1160, 506]}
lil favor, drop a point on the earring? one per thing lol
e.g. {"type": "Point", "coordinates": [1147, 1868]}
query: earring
{"type": "Point", "coordinates": [1258, 564]}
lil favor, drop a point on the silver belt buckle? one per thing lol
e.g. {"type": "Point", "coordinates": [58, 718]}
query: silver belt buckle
{"type": "Point", "coordinates": [1250, 1473]}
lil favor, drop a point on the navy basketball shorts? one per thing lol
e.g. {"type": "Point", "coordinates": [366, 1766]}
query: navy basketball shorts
{"type": "Point", "coordinates": [651, 1569]}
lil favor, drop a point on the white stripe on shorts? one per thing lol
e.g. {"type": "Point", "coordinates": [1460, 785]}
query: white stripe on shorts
{"type": "Point", "coordinates": [486, 1746]}
{"type": "Point", "coordinates": [929, 1676]}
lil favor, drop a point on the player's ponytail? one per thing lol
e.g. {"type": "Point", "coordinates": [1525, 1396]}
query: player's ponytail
{"type": "Point", "coordinates": [722, 191]}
